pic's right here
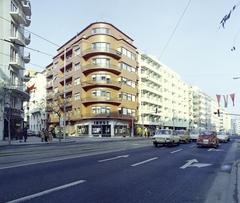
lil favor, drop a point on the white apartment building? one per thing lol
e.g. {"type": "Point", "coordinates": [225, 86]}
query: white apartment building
{"type": "Point", "coordinates": [235, 126]}
{"type": "Point", "coordinates": [166, 101]}
{"type": "Point", "coordinates": [164, 97]}
{"type": "Point", "coordinates": [15, 16]}
{"type": "Point", "coordinates": [35, 115]}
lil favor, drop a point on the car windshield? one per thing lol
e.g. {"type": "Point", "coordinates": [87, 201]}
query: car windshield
{"type": "Point", "coordinates": [206, 133]}
{"type": "Point", "coordinates": [165, 132]}
{"type": "Point", "coordinates": [181, 132]}
{"type": "Point", "coordinates": [194, 132]}
{"type": "Point", "coordinates": [221, 133]}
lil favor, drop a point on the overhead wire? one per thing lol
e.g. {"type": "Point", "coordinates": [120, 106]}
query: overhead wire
{"type": "Point", "coordinates": [175, 29]}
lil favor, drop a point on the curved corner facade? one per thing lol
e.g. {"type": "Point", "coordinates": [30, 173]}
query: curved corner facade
{"type": "Point", "coordinates": [96, 72]}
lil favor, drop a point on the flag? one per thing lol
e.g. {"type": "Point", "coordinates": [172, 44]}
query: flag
{"type": "Point", "coordinates": [31, 88]}
{"type": "Point", "coordinates": [130, 124]}
{"type": "Point", "coordinates": [218, 99]}
{"type": "Point", "coordinates": [232, 97]}
{"type": "Point", "coordinates": [225, 97]}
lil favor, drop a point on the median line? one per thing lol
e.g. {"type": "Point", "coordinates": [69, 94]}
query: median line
{"type": "Point", "coordinates": [143, 162]}
{"type": "Point", "coordinates": [176, 151]}
{"type": "Point", "coordinates": [46, 192]}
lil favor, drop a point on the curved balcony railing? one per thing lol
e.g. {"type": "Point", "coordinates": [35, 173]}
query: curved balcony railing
{"type": "Point", "coordinates": [87, 53]}
{"type": "Point", "coordinates": [101, 67]}
{"type": "Point", "coordinates": [104, 115]}
{"type": "Point", "coordinates": [113, 100]}
{"type": "Point", "coordinates": [102, 83]}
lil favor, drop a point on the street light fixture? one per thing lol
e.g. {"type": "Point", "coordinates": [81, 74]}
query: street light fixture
{"type": "Point", "coordinates": [64, 91]}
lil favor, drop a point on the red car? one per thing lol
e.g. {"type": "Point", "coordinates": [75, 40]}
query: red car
{"type": "Point", "coordinates": [208, 138]}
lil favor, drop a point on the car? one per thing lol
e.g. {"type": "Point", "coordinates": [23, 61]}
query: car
{"type": "Point", "coordinates": [184, 136]}
{"type": "Point", "coordinates": [207, 138]}
{"type": "Point", "coordinates": [166, 137]}
{"type": "Point", "coordinates": [30, 132]}
{"type": "Point", "coordinates": [194, 134]}
{"type": "Point", "coordinates": [223, 136]}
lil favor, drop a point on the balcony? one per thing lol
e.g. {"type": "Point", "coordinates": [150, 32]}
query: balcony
{"type": "Point", "coordinates": [49, 95]}
{"type": "Point", "coordinates": [17, 63]}
{"type": "Point", "coordinates": [18, 15]}
{"type": "Point", "coordinates": [103, 83]}
{"type": "Point", "coordinates": [104, 115]}
{"type": "Point", "coordinates": [28, 39]}
{"type": "Point", "coordinates": [19, 90]}
{"type": "Point", "coordinates": [92, 100]}
{"type": "Point", "coordinates": [27, 7]}
{"type": "Point", "coordinates": [17, 37]}
{"type": "Point", "coordinates": [26, 57]}
{"type": "Point", "coordinates": [35, 110]}
{"type": "Point", "coordinates": [49, 84]}
{"type": "Point", "coordinates": [28, 21]}
{"type": "Point", "coordinates": [26, 78]}
{"type": "Point", "coordinates": [49, 73]}
{"type": "Point", "coordinates": [88, 53]}
{"type": "Point", "coordinates": [101, 67]}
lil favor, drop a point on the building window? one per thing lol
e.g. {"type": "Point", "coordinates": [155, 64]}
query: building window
{"type": "Point", "coordinates": [77, 81]}
{"type": "Point", "coordinates": [101, 31]}
{"type": "Point", "coordinates": [13, 54]}
{"type": "Point", "coordinates": [77, 52]}
{"type": "Point", "coordinates": [77, 96]}
{"type": "Point", "coordinates": [55, 90]}
{"type": "Point", "coordinates": [56, 65]}
{"type": "Point", "coordinates": [102, 62]}
{"type": "Point", "coordinates": [77, 66]}
{"type": "Point", "coordinates": [101, 110]}
{"type": "Point", "coordinates": [13, 30]}
{"type": "Point", "coordinates": [102, 46]}
{"type": "Point", "coordinates": [13, 7]}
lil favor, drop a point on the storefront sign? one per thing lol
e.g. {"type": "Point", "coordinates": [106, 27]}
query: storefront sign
{"type": "Point", "coordinates": [101, 122]}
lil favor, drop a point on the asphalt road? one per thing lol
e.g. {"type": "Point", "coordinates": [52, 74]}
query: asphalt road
{"type": "Point", "coordinates": [119, 172]}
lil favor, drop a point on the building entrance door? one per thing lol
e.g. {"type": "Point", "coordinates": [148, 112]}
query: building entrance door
{"type": "Point", "coordinates": [106, 130]}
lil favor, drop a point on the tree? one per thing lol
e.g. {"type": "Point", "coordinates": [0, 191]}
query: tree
{"type": "Point", "coordinates": [56, 107]}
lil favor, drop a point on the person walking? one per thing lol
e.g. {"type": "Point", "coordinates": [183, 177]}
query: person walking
{"type": "Point", "coordinates": [42, 134]}
{"type": "Point", "coordinates": [25, 135]}
{"type": "Point", "coordinates": [46, 135]}
{"type": "Point", "coordinates": [20, 134]}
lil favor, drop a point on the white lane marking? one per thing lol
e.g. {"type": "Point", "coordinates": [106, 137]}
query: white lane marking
{"type": "Point", "coordinates": [176, 151]}
{"type": "Point", "coordinates": [139, 163]}
{"type": "Point", "coordinates": [117, 157]}
{"type": "Point", "coordinates": [189, 162]}
{"type": "Point", "coordinates": [47, 191]}
{"type": "Point", "coordinates": [192, 146]}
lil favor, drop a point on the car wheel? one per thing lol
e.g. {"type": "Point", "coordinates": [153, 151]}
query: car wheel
{"type": "Point", "coordinates": [171, 144]}
{"type": "Point", "coordinates": [178, 143]}
{"type": "Point", "coordinates": [156, 144]}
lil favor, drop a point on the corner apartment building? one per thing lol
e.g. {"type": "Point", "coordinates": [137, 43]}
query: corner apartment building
{"type": "Point", "coordinates": [96, 73]}
{"type": "Point", "coordinates": [164, 98]}
{"type": "Point", "coordinates": [15, 16]}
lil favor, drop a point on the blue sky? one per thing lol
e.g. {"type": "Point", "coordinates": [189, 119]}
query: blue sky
{"type": "Point", "coordinates": [199, 51]}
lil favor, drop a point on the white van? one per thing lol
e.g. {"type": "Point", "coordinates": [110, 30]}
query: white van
{"type": "Point", "coordinates": [194, 134]}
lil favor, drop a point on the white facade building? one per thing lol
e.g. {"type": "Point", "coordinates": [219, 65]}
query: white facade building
{"type": "Point", "coordinates": [35, 116]}
{"type": "Point", "coordinates": [15, 16]}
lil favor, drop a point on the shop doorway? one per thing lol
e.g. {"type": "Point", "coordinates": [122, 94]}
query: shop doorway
{"type": "Point", "coordinates": [106, 130]}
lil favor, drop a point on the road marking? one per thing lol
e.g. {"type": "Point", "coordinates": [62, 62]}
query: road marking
{"type": "Point", "coordinates": [176, 151]}
{"type": "Point", "coordinates": [193, 145]}
{"type": "Point", "coordinates": [143, 162]}
{"type": "Point", "coordinates": [215, 150]}
{"type": "Point", "coordinates": [110, 159]}
{"type": "Point", "coordinates": [47, 191]}
{"type": "Point", "coordinates": [191, 163]}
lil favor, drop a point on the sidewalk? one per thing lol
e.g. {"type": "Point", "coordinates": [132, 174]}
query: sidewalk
{"type": "Point", "coordinates": [33, 140]}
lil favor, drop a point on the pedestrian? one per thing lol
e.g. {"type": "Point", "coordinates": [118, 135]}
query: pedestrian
{"type": "Point", "coordinates": [42, 134]}
{"type": "Point", "coordinates": [46, 135]}
{"type": "Point", "coordinates": [20, 134]}
{"type": "Point", "coordinates": [25, 135]}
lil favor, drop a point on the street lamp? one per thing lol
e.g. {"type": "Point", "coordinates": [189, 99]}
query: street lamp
{"type": "Point", "coordinates": [64, 91]}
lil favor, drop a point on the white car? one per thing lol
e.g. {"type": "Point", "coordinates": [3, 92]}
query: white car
{"type": "Point", "coordinates": [166, 137]}
{"type": "Point", "coordinates": [194, 135]}
{"type": "Point", "coordinates": [223, 137]}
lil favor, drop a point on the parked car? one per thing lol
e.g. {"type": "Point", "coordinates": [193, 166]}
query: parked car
{"type": "Point", "coordinates": [184, 136]}
{"type": "Point", "coordinates": [208, 138]}
{"type": "Point", "coordinates": [166, 137]}
{"type": "Point", "coordinates": [223, 137]}
{"type": "Point", "coordinates": [30, 132]}
{"type": "Point", "coordinates": [194, 134]}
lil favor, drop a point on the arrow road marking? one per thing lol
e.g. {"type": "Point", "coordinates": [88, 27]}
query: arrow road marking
{"type": "Point", "coordinates": [144, 161]}
{"type": "Point", "coordinates": [193, 163]}
{"type": "Point", "coordinates": [117, 157]}
{"type": "Point", "coordinates": [189, 162]}
{"type": "Point", "coordinates": [199, 165]}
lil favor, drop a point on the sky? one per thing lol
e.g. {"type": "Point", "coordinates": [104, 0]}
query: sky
{"type": "Point", "coordinates": [185, 35]}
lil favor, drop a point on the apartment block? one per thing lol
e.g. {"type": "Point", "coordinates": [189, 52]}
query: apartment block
{"type": "Point", "coordinates": [15, 16]}
{"type": "Point", "coordinates": [95, 75]}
